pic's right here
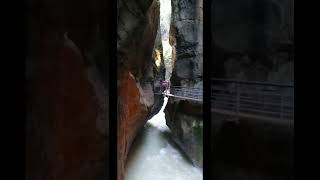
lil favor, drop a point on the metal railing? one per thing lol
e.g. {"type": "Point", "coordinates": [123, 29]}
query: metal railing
{"type": "Point", "coordinates": [187, 92]}
{"type": "Point", "coordinates": [255, 99]}
{"type": "Point", "coordinates": [237, 98]}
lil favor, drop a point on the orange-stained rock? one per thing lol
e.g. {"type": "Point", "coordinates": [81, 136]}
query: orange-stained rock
{"type": "Point", "coordinates": [131, 117]}
{"type": "Point", "coordinates": [64, 143]}
{"type": "Point", "coordinates": [135, 96]}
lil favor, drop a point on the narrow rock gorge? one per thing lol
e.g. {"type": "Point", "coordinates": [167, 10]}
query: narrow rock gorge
{"type": "Point", "coordinates": [150, 50]}
{"type": "Point", "coordinates": [159, 51]}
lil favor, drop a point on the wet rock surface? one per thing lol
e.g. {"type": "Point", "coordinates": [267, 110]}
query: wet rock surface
{"type": "Point", "coordinates": [184, 118]}
{"type": "Point", "coordinates": [137, 31]}
{"type": "Point", "coordinates": [186, 125]}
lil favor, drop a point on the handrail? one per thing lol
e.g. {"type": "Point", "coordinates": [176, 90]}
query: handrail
{"type": "Point", "coordinates": [251, 82]}
{"type": "Point", "coordinates": [244, 98]}
{"type": "Point", "coordinates": [256, 98]}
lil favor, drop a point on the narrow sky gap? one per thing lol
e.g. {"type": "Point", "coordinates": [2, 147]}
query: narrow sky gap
{"type": "Point", "coordinates": [165, 21]}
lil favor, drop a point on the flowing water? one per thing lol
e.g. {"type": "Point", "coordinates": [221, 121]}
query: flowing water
{"type": "Point", "coordinates": [154, 156]}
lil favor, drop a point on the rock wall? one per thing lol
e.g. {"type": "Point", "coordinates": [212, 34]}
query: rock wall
{"type": "Point", "coordinates": [138, 23]}
{"type": "Point", "coordinates": [187, 27]}
{"type": "Point", "coordinates": [67, 101]}
{"type": "Point", "coordinates": [253, 40]}
{"type": "Point", "coordinates": [185, 122]}
{"type": "Point", "coordinates": [186, 37]}
{"type": "Point", "coordinates": [158, 74]}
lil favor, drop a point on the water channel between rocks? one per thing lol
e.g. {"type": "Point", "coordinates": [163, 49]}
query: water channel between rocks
{"type": "Point", "coordinates": [154, 156]}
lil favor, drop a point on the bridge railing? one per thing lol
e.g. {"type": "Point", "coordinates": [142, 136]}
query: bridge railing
{"type": "Point", "coordinates": [189, 92]}
{"type": "Point", "coordinates": [257, 98]}
{"type": "Point", "coordinates": [183, 92]}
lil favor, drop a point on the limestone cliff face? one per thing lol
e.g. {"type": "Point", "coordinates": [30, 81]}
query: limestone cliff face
{"type": "Point", "coordinates": [184, 118]}
{"type": "Point", "coordinates": [138, 23]}
{"type": "Point", "coordinates": [253, 40]}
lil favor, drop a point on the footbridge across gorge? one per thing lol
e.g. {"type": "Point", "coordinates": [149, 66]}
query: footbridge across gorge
{"type": "Point", "coordinates": [186, 93]}
{"type": "Point", "coordinates": [244, 99]}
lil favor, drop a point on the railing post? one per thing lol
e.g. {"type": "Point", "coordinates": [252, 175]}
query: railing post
{"type": "Point", "coordinates": [238, 99]}
{"type": "Point", "coordinates": [281, 109]}
{"type": "Point", "coordinates": [264, 100]}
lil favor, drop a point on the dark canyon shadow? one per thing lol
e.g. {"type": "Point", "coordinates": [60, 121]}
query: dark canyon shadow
{"type": "Point", "coordinates": [252, 40]}
{"type": "Point", "coordinates": [253, 151]}
{"type": "Point", "coordinates": [67, 78]}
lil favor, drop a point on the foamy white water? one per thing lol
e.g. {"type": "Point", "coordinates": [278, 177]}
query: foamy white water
{"type": "Point", "coordinates": [154, 157]}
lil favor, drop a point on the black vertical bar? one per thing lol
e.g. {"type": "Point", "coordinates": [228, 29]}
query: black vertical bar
{"type": "Point", "coordinates": [111, 33]}
{"type": "Point", "coordinates": [207, 151]}
{"type": "Point", "coordinates": [238, 99]}
{"type": "Point", "coordinates": [281, 105]}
